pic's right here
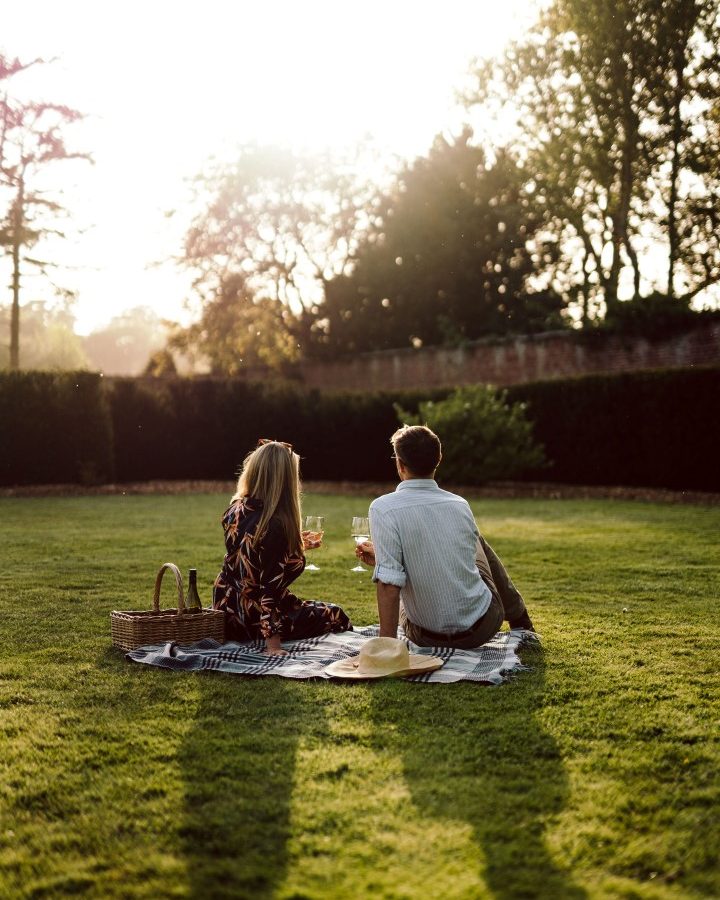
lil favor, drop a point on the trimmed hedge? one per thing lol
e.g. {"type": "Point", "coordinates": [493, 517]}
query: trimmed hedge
{"type": "Point", "coordinates": [54, 428]}
{"type": "Point", "coordinates": [203, 428]}
{"type": "Point", "coordinates": [651, 429]}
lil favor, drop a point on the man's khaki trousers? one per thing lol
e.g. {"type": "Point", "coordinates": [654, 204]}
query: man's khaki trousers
{"type": "Point", "coordinates": [506, 604]}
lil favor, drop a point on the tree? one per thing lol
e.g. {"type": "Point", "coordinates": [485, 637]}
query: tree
{"type": "Point", "coordinates": [449, 257]}
{"type": "Point", "coordinates": [31, 138]}
{"type": "Point", "coordinates": [125, 344]}
{"type": "Point", "coordinates": [285, 221]}
{"type": "Point", "coordinates": [160, 365]}
{"type": "Point", "coordinates": [604, 97]}
{"type": "Point", "coordinates": [689, 117]}
{"type": "Point", "coordinates": [236, 332]}
{"type": "Point", "coordinates": [273, 228]}
{"type": "Point", "coordinates": [48, 339]}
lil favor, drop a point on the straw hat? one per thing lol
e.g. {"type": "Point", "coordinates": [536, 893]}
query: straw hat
{"type": "Point", "coordinates": [380, 657]}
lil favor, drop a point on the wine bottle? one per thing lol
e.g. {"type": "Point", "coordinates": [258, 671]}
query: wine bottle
{"type": "Point", "coordinates": [192, 601]}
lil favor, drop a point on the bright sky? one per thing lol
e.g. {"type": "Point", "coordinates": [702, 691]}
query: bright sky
{"type": "Point", "coordinates": [168, 84]}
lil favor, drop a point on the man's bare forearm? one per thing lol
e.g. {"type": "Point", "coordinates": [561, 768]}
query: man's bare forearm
{"type": "Point", "coordinates": [388, 601]}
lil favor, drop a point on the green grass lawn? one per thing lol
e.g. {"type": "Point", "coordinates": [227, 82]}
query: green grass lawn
{"type": "Point", "coordinates": [593, 775]}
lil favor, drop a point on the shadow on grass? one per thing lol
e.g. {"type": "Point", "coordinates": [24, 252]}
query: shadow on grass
{"type": "Point", "coordinates": [238, 764]}
{"type": "Point", "coordinates": [479, 755]}
{"type": "Point", "coordinates": [230, 744]}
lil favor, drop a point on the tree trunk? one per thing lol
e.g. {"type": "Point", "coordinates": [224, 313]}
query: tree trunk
{"type": "Point", "coordinates": [635, 265]}
{"type": "Point", "coordinates": [676, 137]}
{"type": "Point", "coordinates": [620, 220]}
{"type": "Point", "coordinates": [586, 290]}
{"type": "Point", "coordinates": [630, 123]}
{"type": "Point", "coordinates": [15, 310]}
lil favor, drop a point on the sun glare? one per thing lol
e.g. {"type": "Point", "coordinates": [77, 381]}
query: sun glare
{"type": "Point", "coordinates": [168, 85]}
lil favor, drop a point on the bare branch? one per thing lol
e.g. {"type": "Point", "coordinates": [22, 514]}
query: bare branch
{"type": "Point", "coordinates": [699, 288]}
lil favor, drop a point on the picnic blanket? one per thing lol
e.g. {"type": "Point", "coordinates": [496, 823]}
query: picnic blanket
{"type": "Point", "coordinates": [491, 663]}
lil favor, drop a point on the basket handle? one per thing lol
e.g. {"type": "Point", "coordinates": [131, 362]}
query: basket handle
{"type": "Point", "coordinates": [158, 582]}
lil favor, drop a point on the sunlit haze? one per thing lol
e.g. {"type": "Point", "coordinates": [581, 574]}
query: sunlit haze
{"type": "Point", "coordinates": [168, 84]}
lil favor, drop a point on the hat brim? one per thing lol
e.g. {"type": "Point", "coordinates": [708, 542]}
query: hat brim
{"type": "Point", "coordinates": [419, 665]}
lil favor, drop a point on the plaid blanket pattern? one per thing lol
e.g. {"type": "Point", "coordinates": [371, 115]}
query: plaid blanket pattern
{"type": "Point", "coordinates": [489, 664]}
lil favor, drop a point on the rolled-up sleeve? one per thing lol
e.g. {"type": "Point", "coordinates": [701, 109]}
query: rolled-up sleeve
{"type": "Point", "coordinates": [389, 566]}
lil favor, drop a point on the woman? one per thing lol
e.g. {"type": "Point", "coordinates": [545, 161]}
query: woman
{"type": "Point", "coordinates": [265, 555]}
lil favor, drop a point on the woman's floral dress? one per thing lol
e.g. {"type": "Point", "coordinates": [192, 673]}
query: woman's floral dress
{"type": "Point", "coordinates": [252, 587]}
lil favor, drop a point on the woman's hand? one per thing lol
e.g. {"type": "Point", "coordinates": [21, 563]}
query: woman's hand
{"type": "Point", "coordinates": [312, 540]}
{"type": "Point", "coordinates": [272, 646]}
{"type": "Point", "coordinates": [365, 552]}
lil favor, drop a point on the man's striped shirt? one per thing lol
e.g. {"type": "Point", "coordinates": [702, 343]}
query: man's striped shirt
{"type": "Point", "coordinates": [425, 540]}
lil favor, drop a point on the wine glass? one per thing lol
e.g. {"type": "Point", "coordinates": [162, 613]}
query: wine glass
{"type": "Point", "coordinates": [360, 531]}
{"type": "Point", "coordinates": [315, 526]}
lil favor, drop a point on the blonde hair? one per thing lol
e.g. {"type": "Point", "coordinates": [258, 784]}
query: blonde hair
{"type": "Point", "coordinates": [271, 473]}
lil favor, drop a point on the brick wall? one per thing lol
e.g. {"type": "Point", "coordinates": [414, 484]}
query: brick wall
{"type": "Point", "coordinates": [514, 360]}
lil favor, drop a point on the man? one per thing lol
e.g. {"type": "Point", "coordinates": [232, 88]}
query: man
{"type": "Point", "coordinates": [435, 574]}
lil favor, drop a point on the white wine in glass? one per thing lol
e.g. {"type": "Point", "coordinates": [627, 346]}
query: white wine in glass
{"type": "Point", "coordinates": [360, 531]}
{"type": "Point", "coordinates": [315, 527]}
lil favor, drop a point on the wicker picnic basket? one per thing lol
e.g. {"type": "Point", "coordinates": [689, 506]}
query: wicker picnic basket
{"type": "Point", "coordinates": [156, 626]}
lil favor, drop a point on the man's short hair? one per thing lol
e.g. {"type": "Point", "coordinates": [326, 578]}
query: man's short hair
{"type": "Point", "coordinates": [418, 448]}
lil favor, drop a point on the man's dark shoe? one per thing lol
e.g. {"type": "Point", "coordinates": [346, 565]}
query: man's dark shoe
{"type": "Point", "coordinates": [522, 621]}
